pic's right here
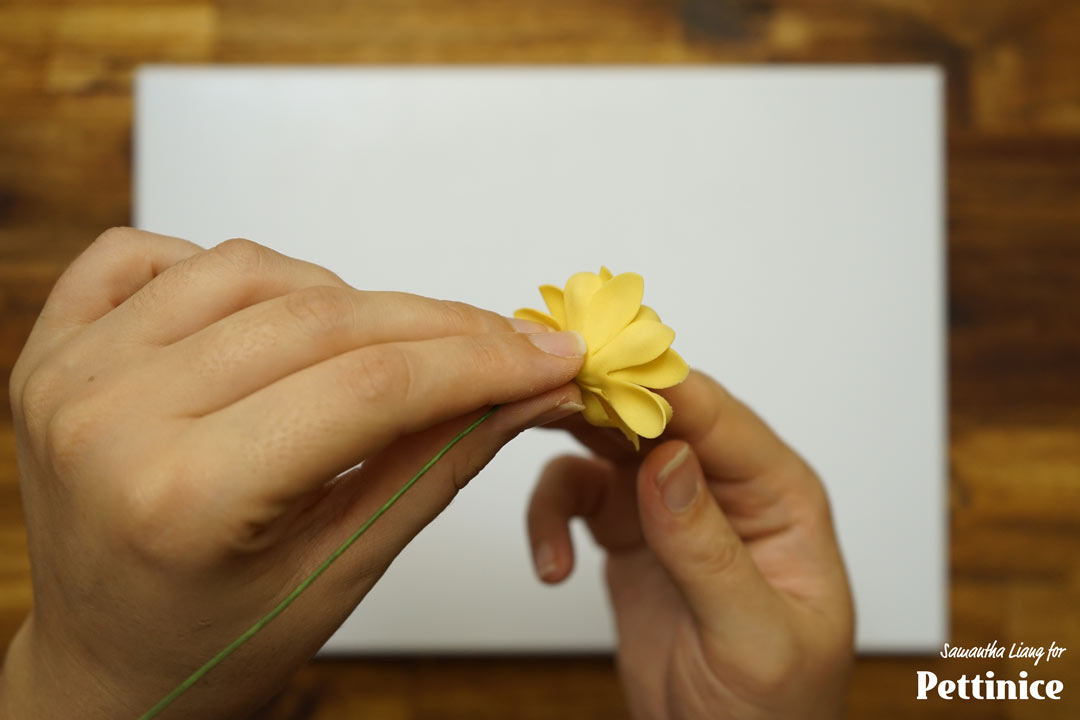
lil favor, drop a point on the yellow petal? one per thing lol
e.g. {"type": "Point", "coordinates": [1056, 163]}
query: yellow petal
{"type": "Point", "coordinates": [628, 350]}
{"type": "Point", "coordinates": [616, 421]}
{"type": "Point", "coordinates": [665, 371]}
{"type": "Point", "coordinates": [637, 344]}
{"type": "Point", "coordinates": [646, 313]}
{"type": "Point", "coordinates": [553, 298]}
{"type": "Point", "coordinates": [643, 412]}
{"type": "Point", "coordinates": [537, 317]}
{"type": "Point", "coordinates": [631, 436]}
{"type": "Point", "coordinates": [668, 411]}
{"type": "Point", "coordinates": [579, 290]}
{"type": "Point", "coordinates": [595, 413]}
{"type": "Point", "coordinates": [611, 309]}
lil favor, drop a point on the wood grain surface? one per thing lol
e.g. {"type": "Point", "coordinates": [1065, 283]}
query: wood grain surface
{"type": "Point", "coordinates": [1013, 78]}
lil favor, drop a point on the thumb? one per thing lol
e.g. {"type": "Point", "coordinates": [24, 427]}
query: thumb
{"type": "Point", "coordinates": [702, 554]}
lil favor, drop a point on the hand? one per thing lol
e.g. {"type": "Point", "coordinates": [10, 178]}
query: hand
{"type": "Point", "coordinates": [180, 415]}
{"type": "Point", "coordinates": [729, 592]}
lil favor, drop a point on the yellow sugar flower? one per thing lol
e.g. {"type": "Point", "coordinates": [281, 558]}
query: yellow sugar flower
{"type": "Point", "coordinates": [629, 350]}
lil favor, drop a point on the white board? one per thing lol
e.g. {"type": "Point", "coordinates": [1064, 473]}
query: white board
{"type": "Point", "coordinates": [788, 223]}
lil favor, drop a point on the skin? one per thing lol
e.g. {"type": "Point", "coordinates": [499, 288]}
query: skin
{"type": "Point", "coordinates": [188, 425]}
{"type": "Point", "coordinates": [730, 595]}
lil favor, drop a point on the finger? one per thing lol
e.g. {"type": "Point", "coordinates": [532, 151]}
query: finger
{"type": "Point", "coordinates": [258, 345]}
{"type": "Point", "coordinates": [757, 472]}
{"type": "Point", "coordinates": [208, 286]}
{"type": "Point", "coordinates": [115, 266]}
{"type": "Point", "coordinates": [325, 419]}
{"type": "Point", "coordinates": [572, 487]}
{"type": "Point", "coordinates": [608, 443]}
{"type": "Point", "coordinates": [730, 440]}
{"type": "Point", "coordinates": [358, 494]}
{"type": "Point", "coordinates": [705, 558]}
{"type": "Point", "coordinates": [761, 482]}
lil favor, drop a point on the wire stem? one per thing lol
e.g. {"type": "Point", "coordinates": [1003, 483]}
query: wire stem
{"type": "Point", "coordinates": [254, 629]}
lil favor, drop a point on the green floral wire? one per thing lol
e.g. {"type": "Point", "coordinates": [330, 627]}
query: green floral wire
{"type": "Point", "coordinates": [254, 629]}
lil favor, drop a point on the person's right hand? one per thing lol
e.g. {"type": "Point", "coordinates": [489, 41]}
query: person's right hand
{"type": "Point", "coordinates": [730, 596]}
{"type": "Point", "coordinates": [179, 416]}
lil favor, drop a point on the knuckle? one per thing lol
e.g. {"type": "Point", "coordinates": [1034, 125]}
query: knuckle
{"type": "Point", "coordinates": [379, 375]}
{"type": "Point", "coordinates": [321, 309]}
{"type": "Point", "coordinates": [326, 275]}
{"type": "Point", "coordinates": [115, 238]}
{"type": "Point", "coordinates": [68, 433]}
{"type": "Point", "coordinates": [154, 523]}
{"type": "Point", "coordinates": [536, 511]}
{"type": "Point", "coordinates": [463, 467]}
{"type": "Point", "coordinates": [553, 478]}
{"type": "Point", "coordinates": [542, 507]}
{"type": "Point", "coordinates": [770, 671]}
{"type": "Point", "coordinates": [716, 556]}
{"type": "Point", "coordinates": [38, 392]}
{"type": "Point", "coordinates": [491, 356]}
{"type": "Point", "coordinates": [147, 299]}
{"type": "Point", "coordinates": [15, 393]}
{"type": "Point", "coordinates": [807, 497]}
{"type": "Point", "coordinates": [242, 254]}
{"type": "Point", "coordinates": [779, 665]}
{"type": "Point", "coordinates": [110, 247]}
{"type": "Point", "coordinates": [141, 509]}
{"type": "Point", "coordinates": [458, 315]}
{"type": "Point", "coordinates": [16, 387]}
{"type": "Point", "coordinates": [146, 522]}
{"type": "Point", "coordinates": [558, 467]}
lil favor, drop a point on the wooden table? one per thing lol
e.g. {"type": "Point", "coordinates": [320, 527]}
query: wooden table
{"type": "Point", "coordinates": [1013, 76]}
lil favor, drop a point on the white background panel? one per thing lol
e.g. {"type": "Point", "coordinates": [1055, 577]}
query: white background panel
{"type": "Point", "coordinates": [788, 223]}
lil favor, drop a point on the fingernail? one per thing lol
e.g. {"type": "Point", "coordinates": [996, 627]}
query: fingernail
{"type": "Point", "coordinates": [545, 561]}
{"type": "Point", "coordinates": [557, 413]}
{"type": "Point", "coordinates": [528, 326]}
{"type": "Point", "coordinates": [678, 482]}
{"type": "Point", "coordinates": [565, 343]}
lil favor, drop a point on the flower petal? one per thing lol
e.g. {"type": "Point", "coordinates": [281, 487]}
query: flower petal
{"type": "Point", "coordinates": [644, 412]}
{"type": "Point", "coordinates": [611, 309]}
{"type": "Point", "coordinates": [595, 413]}
{"type": "Point", "coordinates": [665, 371]}
{"type": "Point", "coordinates": [615, 421]}
{"type": "Point", "coordinates": [637, 344]}
{"type": "Point", "coordinates": [537, 316]}
{"type": "Point", "coordinates": [579, 290]}
{"type": "Point", "coordinates": [646, 313]}
{"type": "Point", "coordinates": [553, 298]}
{"type": "Point", "coordinates": [628, 350]}
{"type": "Point", "coordinates": [668, 410]}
